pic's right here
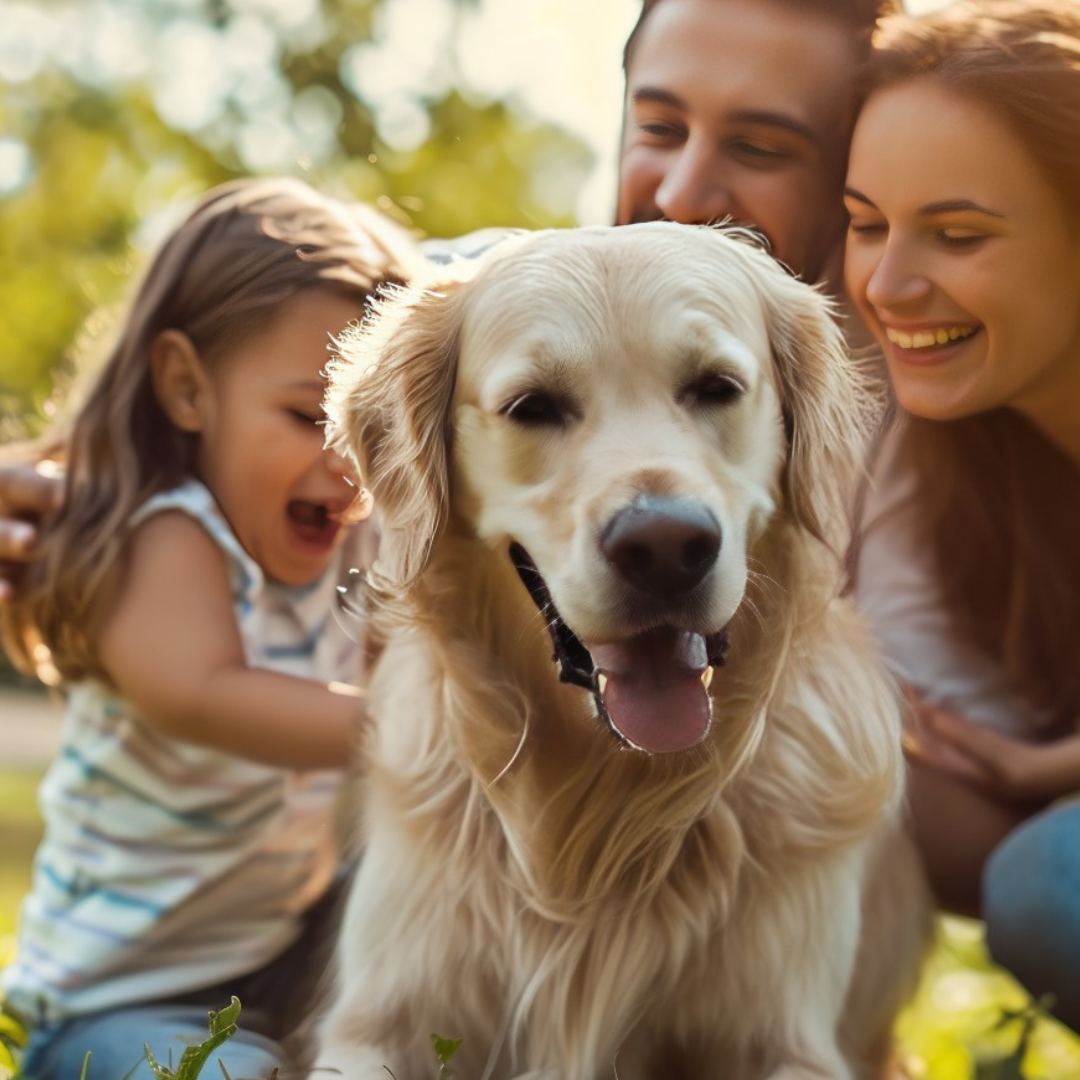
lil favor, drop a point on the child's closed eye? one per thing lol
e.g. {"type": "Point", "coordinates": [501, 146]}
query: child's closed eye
{"type": "Point", "coordinates": [307, 416]}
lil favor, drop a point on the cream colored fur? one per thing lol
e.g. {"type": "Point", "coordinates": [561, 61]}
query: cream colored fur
{"type": "Point", "coordinates": [566, 907]}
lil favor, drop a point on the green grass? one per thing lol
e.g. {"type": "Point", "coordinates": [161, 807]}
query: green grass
{"type": "Point", "coordinates": [20, 827]}
{"type": "Point", "coordinates": [957, 1028]}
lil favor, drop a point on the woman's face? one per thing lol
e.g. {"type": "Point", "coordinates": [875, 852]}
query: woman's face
{"type": "Point", "coordinates": [961, 258]}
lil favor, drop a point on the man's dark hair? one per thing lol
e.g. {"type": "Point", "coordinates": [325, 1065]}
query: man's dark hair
{"type": "Point", "coordinates": [861, 15]}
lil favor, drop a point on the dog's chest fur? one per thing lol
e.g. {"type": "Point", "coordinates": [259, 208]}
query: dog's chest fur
{"type": "Point", "coordinates": [564, 870]}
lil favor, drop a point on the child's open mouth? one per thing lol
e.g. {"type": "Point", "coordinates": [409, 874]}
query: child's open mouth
{"type": "Point", "coordinates": [313, 523]}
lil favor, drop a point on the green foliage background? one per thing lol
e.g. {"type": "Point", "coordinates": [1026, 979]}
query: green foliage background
{"type": "Point", "coordinates": [103, 165]}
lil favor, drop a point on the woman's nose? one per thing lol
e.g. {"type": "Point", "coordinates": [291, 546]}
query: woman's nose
{"type": "Point", "coordinates": [898, 278]}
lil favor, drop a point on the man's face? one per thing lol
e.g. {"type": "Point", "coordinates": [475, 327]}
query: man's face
{"type": "Point", "coordinates": [741, 109]}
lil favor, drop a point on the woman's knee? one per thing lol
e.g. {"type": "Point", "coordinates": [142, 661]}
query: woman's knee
{"type": "Point", "coordinates": [1031, 906]}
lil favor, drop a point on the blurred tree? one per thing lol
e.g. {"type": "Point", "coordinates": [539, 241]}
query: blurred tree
{"type": "Point", "coordinates": [114, 114]}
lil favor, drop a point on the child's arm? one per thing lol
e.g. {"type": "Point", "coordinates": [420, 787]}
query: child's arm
{"type": "Point", "coordinates": [171, 645]}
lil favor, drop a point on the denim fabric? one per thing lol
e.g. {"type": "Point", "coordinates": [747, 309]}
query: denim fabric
{"type": "Point", "coordinates": [115, 1041]}
{"type": "Point", "coordinates": [274, 1001]}
{"type": "Point", "coordinates": [1031, 904]}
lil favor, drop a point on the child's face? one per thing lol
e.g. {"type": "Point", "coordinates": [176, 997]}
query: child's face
{"type": "Point", "coordinates": [261, 440]}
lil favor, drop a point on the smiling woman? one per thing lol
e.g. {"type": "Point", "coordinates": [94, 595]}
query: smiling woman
{"type": "Point", "coordinates": [963, 257]}
{"type": "Point", "coordinates": [967, 271]}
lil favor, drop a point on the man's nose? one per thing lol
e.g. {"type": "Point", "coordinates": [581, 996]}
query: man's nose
{"type": "Point", "coordinates": [694, 191]}
{"type": "Point", "coordinates": [898, 277]}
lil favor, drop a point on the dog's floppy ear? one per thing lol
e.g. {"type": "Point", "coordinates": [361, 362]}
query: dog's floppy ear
{"type": "Point", "coordinates": [828, 405]}
{"type": "Point", "coordinates": [388, 406]}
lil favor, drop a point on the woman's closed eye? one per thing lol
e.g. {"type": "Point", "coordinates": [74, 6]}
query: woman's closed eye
{"type": "Point", "coordinates": [957, 236]}
{"type": "Point", "coordinates": [864, 227]}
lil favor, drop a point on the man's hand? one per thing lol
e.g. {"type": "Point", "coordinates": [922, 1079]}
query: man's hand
{"type": "Point", "coordinates": [1011, 769]}
{"type": "Point", "coordinates": [28, 493]}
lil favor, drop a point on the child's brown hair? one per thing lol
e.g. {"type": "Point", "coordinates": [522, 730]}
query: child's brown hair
{"type": "Point", "coordinates": [247, 248]}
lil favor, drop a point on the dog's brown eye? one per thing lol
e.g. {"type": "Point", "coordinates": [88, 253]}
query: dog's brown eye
{"type": "Point", "coordinates": [713, 389]}
{"type": "Point", "coordinates": [538, 410]}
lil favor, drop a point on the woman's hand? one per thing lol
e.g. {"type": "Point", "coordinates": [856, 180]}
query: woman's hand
{"type": "Point", "coordinates": [1011, 769]}
{"type": "Point", "coordinates": [28, 493]}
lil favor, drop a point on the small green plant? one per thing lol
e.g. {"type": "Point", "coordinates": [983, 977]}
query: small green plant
{"type": "Point", "coordinates": [222, 1026]}
{"type": "Point", "coordinates": [445, 1049]}
{"type": "Point", "coordinates": [1010, 1067]}
{"type": "Point", "coordinates": [12, 1038]}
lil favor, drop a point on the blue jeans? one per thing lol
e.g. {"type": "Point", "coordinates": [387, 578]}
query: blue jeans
{"type": "Point", "coordinates": [274, 1000]}
{"type": "Point", "coordinates": [115, 1042]}
{"type": "Point", "coordinates": [1031, 904]}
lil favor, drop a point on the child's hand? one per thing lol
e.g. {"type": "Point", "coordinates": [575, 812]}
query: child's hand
{"type": "Point", "coordinates": [28, 493]}
{"type": "Point", "coordinates": [1014, 770]}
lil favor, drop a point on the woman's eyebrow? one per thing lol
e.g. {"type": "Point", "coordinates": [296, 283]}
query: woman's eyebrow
{"type": "Point", "coordinates": [942, 206]}
{"type": "Point", "coordinates": [858, 196]}
{"type": "Point", "coordinates": [948, 206]}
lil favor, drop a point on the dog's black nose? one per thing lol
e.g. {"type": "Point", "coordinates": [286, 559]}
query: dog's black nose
{"type": "Point", "coordinates": [662, 545]}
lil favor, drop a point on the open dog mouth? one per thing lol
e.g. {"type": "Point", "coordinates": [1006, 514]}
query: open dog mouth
{"type": "Point", "coordinates": [650, 689]}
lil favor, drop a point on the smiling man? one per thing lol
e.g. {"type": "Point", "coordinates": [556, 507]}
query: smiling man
{"type": "Point", "coordinates": [744, 109]}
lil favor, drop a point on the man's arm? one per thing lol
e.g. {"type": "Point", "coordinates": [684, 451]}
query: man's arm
{"type": "Point", "coordinates": [172, 647]}
{"type": "Point", "coordinates": [28, 493]}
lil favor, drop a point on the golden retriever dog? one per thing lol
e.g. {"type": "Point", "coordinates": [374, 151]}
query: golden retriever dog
{"type": "Point", "coordinates": [631, 750]}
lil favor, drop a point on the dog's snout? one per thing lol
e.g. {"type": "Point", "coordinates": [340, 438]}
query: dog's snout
{"type": "Point", "coordinates": [662, 545]}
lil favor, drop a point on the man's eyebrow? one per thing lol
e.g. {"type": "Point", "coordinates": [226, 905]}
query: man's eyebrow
{"type": "Point", "coordinates": [777, 119]}
{"type": "Point", "coordinates": [657, 95]}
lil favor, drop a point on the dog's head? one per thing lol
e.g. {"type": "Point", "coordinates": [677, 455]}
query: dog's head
{"type": "Point", "coordinates": [624, 412]}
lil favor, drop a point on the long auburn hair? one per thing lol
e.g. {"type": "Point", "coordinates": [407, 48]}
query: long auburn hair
{"type": "Point", "coordinates": [248, 247]}
{"type": "Point", "coordinates": [1000, 501]}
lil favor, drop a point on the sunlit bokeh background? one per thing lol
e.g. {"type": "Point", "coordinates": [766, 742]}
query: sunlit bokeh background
{"type": "Point", "coordinates": [452, 114]}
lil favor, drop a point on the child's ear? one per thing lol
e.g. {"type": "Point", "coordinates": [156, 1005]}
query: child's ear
{"type": "Point", "coordinates": [179, 378]}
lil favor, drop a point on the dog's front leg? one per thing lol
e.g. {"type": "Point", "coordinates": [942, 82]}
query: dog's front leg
{"type": "Point", "coordinates": [812, 992]}
{"type": "Point", "coordinates": [338, 1060]}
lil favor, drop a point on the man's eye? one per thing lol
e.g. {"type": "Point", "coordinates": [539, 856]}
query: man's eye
{"type": "Point", "coordinates": [304, 417]}
{"type": "Point", "coordinates": [759, 152]}
{"type": "Point", "coordinates": [659, 129]}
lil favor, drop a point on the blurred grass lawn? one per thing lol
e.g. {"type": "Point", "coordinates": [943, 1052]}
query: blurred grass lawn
{"type": "Point", "coordinates": [952, 1030]}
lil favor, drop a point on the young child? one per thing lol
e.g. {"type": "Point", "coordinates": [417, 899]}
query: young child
{"type": "Point", "coordinates": [186, 593]}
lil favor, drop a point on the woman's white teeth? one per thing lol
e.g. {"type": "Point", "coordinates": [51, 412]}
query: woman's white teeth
{"type": "Point", "coordinates": [924, 339]}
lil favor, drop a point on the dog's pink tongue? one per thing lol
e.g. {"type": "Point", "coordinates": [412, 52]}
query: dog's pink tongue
{"type": "Point", "coordinates": [653, 689]}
